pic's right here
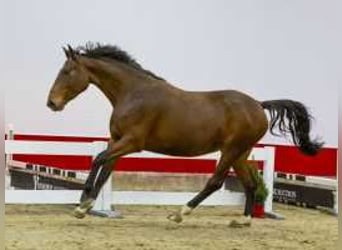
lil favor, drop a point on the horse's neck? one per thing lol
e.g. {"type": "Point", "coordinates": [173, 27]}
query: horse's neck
{"type": "Point", "coordinates": [113, 79]}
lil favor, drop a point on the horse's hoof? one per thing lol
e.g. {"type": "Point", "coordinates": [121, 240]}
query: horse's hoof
{"type": "Point", "coordinates": [83, 208]}
{"type": "Point", "coordinates": [175, 217]}
{"type": "Point", "coordinates": [246, 222]}
{"type": "Point", "coordinates": [186, 210]}
{"type": "Point", "coordinates": [79, 213]}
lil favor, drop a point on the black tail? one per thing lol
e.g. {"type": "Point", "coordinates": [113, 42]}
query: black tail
{"type": "Point", "coordinates": [298, 123]}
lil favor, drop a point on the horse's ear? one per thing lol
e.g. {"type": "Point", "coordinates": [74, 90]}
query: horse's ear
{"type": "Point", "coordinates": [66, 52]}
{"type": "Point", "coordinates": [72, 53]}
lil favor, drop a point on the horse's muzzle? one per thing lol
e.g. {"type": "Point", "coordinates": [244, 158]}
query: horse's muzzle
{"type": "Point", "coordinates": [53, 106]}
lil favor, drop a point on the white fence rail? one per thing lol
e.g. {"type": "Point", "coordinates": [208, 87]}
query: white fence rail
{"type": "Point", "coordinates": [107, 196]}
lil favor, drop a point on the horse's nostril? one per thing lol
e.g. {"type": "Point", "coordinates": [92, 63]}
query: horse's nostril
{"type": "Point", "coordinates": [51, 104]}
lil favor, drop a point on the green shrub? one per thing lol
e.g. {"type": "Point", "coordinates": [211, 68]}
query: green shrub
{"type": "Point", "coordinates": [261, 192]}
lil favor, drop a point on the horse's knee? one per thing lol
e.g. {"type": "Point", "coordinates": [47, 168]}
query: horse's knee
{"type": "Point", "coordinates": [100, 158]}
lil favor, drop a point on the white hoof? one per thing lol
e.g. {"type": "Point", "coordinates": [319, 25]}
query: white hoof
{"type": "Point", "coordinates": [79, 213]}
{"type": "Point", "coordinates": [83, 208]}
{"type": "Point", "coordinates": [186, 210]}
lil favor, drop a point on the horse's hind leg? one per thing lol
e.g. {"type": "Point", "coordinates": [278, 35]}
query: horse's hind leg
{"type": "Point", "coordinates": [246, 173]}
{"type": "Point", "coordinates": [213, 184]}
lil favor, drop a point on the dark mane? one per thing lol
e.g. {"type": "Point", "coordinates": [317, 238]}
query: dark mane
{"type": "Point", "coordinates": [112, 52]}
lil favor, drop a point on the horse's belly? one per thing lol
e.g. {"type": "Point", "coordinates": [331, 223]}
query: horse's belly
{"type": "Point", "coordinates": [189, 130]}
{"type": "Point", "coordinates": [191, 143]}
{"type": "Point", "coordinates": [176, 151]}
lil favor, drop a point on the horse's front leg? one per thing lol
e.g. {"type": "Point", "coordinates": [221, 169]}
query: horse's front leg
{"type": "Point", "coordinates": [99, 160]}
{"type": "Point", "coordinates": [107, 160]}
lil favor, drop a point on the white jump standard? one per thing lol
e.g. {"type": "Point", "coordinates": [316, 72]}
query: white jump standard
{"type": "Point", "coordinates": [107, 197]}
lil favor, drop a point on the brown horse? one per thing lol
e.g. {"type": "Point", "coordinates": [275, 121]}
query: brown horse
{"type": "Point", "coordinates": [151, 114]}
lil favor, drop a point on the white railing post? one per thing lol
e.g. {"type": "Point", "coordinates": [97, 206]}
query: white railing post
{"type": "Point", "coordinates": [335, 208]}
{"type": "Point", "coordinates": [8, 157]}
{"type": "Point", "coordinates": [10, 136]}
{"type": "Point", "coordinates": [269, 176]}
{"type": "Point", "coordinates": [269, 168]}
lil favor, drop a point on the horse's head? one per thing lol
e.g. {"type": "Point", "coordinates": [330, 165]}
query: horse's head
{"type": "Point", "coordinates": [71, 80]}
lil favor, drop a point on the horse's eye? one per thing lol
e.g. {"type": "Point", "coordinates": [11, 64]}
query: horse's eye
{"type": "Point", "coordinates": [72, 72]}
